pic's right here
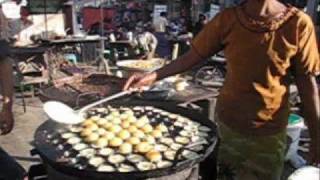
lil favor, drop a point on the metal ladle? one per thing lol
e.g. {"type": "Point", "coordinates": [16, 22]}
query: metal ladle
{"type": "Point", "coordinates": [62, 113]}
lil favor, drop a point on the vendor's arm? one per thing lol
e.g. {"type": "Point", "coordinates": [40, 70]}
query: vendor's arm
{"type": "Point", "coordinates": [309, 94]}
{"type": "Point", "coordinates": [182, 64]}
{"type": "Point", "coordinates": [306, 66]}
{"type": "Point", "coordinates": [6, 83]}
{"type": "Point", "coordinates": [206, 44]}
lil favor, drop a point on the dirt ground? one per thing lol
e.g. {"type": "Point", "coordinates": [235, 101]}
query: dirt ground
{"type": "Point", "coordinates": [18, 143]}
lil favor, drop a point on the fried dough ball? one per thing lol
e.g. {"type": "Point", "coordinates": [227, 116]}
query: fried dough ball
{"type": "Point", "coordinates": [125, 124]}
{"type": "Point", "coordinates": [143, 147]}
{"type": "Point", "coordinates": [162, 128]}
{"type": "Point", "coordinates": [129, 113]}
{"type": "Point", "coordinates": [101, 131]}
{"type": "Point", "coordinates": [115, 113]}
{"type": "Point", "coordinates": [133, 140]}
{"type": "Point", "coordinates": [125, 148]}
{"type": "Point", "coordinates": [92, 137]}
{"type": "Point", "coordinates": [147, 128]}
{"type": "Point", "coordinates": [144, 119]}
{"type": "Point", "coordinates": [102, 121]}
{"type": "Point", "coordinates": [102, 142]}
{"type": "Point", "coordinates": [88, 122]}
{"type": "Point", "coordinates": [139, 124]}
{"type": "Point", "coordinates": [124, 134]}
{"type": "Point", "coordinates": [132, 119]}
{"type": "Point", "coordinates": [154, 156]}
{"type": "Point", "coordinates": [93, 127]}
{"type": "Point", "coordinates": [156, 133]}
{"type": "Point", "coordinates": [116, 121]}
{"type": "Point", "coordinates": [124, 116]}
{"type": "Point", "coordinates": [109, 135]}
{"type": "Point", "coordinates": [132, 129]}
{"type": "Point", "coordinates": [115, 129]}
{"type": "Point", "coordinates": [150, 139]}
{"type": "Point", "coordinates": [107, 125]}
{"type": "Point", "coordinates": [115, 142]}
{"type": "Point", "coordinates": [86, 132]}
{"type": "Point", "coordinates": [139, 134]}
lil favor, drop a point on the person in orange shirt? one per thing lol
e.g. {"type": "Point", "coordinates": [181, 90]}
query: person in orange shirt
{"type": "Point", "coordinates": [266, 43]}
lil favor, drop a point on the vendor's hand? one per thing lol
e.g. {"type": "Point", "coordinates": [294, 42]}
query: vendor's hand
{"type": "Point", "coordinates": [140, 80]}
{"type": "Point", "coordinates": [314, 155]}
{"type": "Point", "coordinates": [6, 121]}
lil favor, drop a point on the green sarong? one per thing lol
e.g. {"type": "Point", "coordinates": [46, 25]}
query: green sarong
{"type": "Point", "coordinates": [242, 157]}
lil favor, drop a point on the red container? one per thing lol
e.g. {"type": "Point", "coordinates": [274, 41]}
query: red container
{"type": "Point", "coordinates": [92, 15]}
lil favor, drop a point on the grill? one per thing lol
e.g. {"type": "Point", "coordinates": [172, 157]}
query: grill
{"type": "Point", "coordinates": [180, 170]}
{"type": "Point", "coordinates": [77, 91]}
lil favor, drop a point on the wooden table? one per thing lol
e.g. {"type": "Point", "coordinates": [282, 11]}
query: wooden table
{"type": "Point", "coordinates": [85, 43]}
{"type": "Point", "coordinates": [74, 40]}
{"type": "Point", "coordinates": [30, 56]}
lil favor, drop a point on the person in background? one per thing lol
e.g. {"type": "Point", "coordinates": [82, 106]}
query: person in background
{"type": "Point", "coordinates": [108, 25]}
{"type": "Point", "coordinates": [266, 43]}
{"type": "Point", "coordinates": [13, 19]}
{"type": "Point", "coordinates": [189, 24]}
{"type": "Point", "coordinates": [174, 28]}
{"type": "Point", "coordinates": [146, 41]}
{"type": "Point", "coordinates": [9, 168]}
{"type": "Point", "coordinates": [119, 33]}
{"type": "Point", "coordinates": [160, 26]}
{"type": "Point", "coordinates": [161, 23]}
{"type": "Point", "coordinates": [6, 79]}
{"type": "Point", "coordinates": [129, 34]}
{"type": "Point", "coordinates": [202, 21]}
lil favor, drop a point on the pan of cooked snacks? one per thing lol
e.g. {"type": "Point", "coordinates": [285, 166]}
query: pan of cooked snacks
{"type": "Point", "coordinates": [133, 140]}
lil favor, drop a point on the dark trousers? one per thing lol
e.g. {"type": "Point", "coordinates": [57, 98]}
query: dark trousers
{"type": "Point", "coordinates": [163, 47]}
{"type": "Point", "coordinates": [9, 168]}
{"type": "Point", "coordinates": [4, 49]}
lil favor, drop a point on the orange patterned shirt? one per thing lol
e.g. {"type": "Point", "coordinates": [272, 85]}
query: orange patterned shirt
{"type": "Point", "coordinates": [261, 57]}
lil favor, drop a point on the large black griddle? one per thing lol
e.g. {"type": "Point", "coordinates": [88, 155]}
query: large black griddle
{"type": "Point", "coordinates": [50, 154]}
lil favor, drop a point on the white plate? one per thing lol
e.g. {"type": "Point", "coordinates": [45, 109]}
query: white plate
{"type": "Point", "coordinates": [158, 63]}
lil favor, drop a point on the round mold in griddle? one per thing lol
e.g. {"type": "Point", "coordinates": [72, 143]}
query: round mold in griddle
{"type": "Point", "coordinates": [106, 168]}
{"type": "Point", "coordinates": [135, 158]}
{"type": "Point", "coordinates": [70, 153]}
{"type": "Point", "coordinates": [148, 108]}
{"type": "Point", "coordinates": [167, 123]}
{"type": "Point", "coordinates": [92, 113]}
{"type": "Point", "coordinates": [82, 163]}
{"type": "Point", "coordinates": [157, 116]}
{"type": "Point", "coordinates": [165, 119]}
{"type": "Point", "coordinates": [67, 147]}
{"type": "Point", "coordinates": [80, 146]}
{"type": "Point", "coordinates": [138, 109]}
